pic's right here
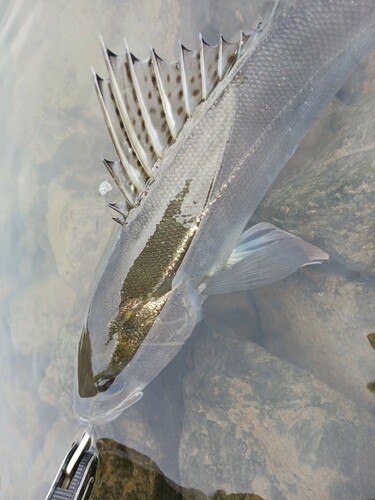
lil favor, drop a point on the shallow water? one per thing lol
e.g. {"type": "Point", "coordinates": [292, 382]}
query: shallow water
{"type": "Point", "coordinates": [54, 227]}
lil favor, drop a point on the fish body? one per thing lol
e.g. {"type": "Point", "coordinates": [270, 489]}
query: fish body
{"type": "Point", "coordinates": [192, 179]}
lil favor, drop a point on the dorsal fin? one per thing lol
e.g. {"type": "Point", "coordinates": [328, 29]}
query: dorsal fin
{"type": "Point", "coordinates": [209, 62]}
{"type": "Point", "coordinates": [146, 104]}
{"type": "Point", "coordinates": [125, 103]}
{"type": "Point", "coordinates": [168, 76]}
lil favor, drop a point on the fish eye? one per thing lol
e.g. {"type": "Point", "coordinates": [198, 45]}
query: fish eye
{"type": "Point", "coordinates": [110, 385]}
{"type": "Point", "coordinates": [104, 383]}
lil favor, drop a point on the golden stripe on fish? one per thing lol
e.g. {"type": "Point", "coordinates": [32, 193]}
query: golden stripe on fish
{"type": "Point", "coordinates": [148, 283]}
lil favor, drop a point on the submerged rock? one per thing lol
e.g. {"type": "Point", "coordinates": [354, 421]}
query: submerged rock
{"type": "Point", "coordinates": [124, 473]}
{"type": "Point", "coordinates": [320, 322]}
{"type": "Point", "coordinates": [258, 424]}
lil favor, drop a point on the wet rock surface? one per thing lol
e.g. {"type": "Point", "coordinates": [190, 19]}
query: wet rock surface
{"type": "Point", "coordinates": [320, 322]}
{"type": "Point", "coordinates": [133, 475]}
{"type": "Point", "coordinates": [259, 424]}
{"type": "Point", "coordinates": [137, 477]}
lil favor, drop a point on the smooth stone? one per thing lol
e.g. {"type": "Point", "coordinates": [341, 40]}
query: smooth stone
{"type": "Point", "coordinates": [320, 322]}
{"type": "Point", "coordinates": [255, 423]}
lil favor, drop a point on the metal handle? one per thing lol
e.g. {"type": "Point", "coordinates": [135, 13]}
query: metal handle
{"type": "Point", "coordinates": [76, 476]}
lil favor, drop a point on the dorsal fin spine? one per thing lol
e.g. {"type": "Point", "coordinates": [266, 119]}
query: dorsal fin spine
{"type": "Point", "coordinates": [239, 46]}
{"type": "Point", "coordinates": [203, 67]}
{"type": "Point", "coordinates": [244, 38]}
{"type": "Point", "coordinates": [185, 87]}
{"type": "Point", "coordinates": [132, 137]}
{"type": "Point", "coordinates": [119, 220]}
{"type": "Point", "coordinates": [158, 147]}
{"type": "Point", "coordinates": [119, 208]}
{"type": "Point", "coordinates": [132, 173]}
{"type": "Point", "coordinates": [220, 59]}
{"type": "Point", "coordinates": [120, 180]}
{"type": "Point", "coordinates": [164, 98]}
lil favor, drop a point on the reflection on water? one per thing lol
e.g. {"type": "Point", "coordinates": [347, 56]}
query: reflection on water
{"type": "Point", "coordinates": [271, 394]}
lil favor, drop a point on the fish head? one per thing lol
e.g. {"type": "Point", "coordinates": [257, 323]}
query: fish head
{"type": "Point", "coordinates": [104, 397]}
{"type": "Point", "coordinates": [141, 309]}
{"type": "Point", "coordinates": [103, 387]}
{"type": "Point", "coordinates": [141, 340]}
{"type": "Point", "coordinates": [102, 394]}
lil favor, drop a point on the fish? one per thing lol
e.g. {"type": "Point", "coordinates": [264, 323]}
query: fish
{"type": "Point", "coordinates": [199, 142]}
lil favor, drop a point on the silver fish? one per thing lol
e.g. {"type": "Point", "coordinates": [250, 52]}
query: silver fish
{"type": "Point", "coordinates": [199, 143]}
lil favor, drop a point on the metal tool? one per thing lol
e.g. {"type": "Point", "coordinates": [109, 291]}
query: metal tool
{"type": "Point", "coordinates": [76, 476]}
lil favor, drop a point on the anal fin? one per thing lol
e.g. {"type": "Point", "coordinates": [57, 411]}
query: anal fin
{"type": "Point", "coordinates": [264, 254]}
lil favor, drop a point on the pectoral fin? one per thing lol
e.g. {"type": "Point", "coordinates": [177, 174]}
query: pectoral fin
{"type": "Point", "coordinates": [264, 254]}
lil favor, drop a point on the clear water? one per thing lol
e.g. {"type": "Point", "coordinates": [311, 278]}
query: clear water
{"type": "Point", "coordinates": [54, 227]}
